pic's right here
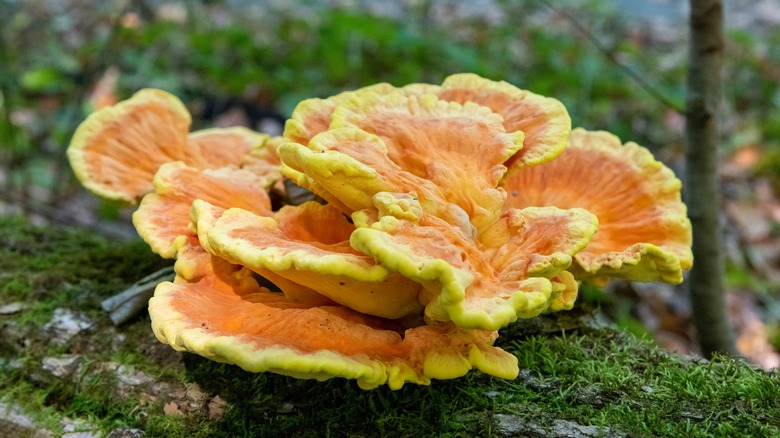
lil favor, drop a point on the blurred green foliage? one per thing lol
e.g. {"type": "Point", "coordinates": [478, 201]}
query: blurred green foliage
{"type": "Point", "coordinates": [279, 53]}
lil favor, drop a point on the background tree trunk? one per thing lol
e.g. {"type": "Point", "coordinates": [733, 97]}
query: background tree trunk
{"type": "Point", "coordinates": [703, 194]}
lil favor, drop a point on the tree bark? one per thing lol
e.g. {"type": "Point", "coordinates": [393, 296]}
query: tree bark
{"type": "Point", "coordinates": [703, 194]}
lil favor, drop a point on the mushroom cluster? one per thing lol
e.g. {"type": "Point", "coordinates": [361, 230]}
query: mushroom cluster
{"type": "Point", "coordinates": [448, 211]}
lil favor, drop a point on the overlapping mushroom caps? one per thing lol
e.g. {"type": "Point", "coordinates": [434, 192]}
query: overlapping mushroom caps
{"type": "Point", "coordinates": [117, 150]}
{"type": "Point", "coordinates": [218, 310]}
{"type": "Point", "coordinates": [451, 211]}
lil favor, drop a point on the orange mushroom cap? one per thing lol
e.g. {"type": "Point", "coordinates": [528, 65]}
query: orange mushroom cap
{"type": "Point", "coordinates": [117, 150]}
{"type": "Point", "coordinates": [313, 116]}
{"type": "Point", "coordinates": [476, 284]}
{"type": "Point", "coordinates": [163, 216]}
{"type": "Point", "coordinates": [217, 310]}
{"type": "Point", "coordinates": [308, 245]}
{"type": "Point", "coordinates": [219, 147]}
{"type": "Point", "coordinates": [261, 332]}
{"type": "Point", "coordinates": [348, 166]}
{"type": "Point", "coordinates": [544, 120]}
{"type": "Point", "coordinates": [458, 149]}
{"type": "Point", "coordinates": [644, 233]}
{"type": "Point", "coordinates": [458, 136]}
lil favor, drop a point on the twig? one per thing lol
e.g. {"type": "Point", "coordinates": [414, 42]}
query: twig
{"type": "Point", "coordinates": [128, 303]}
{"type": "Point", "coordinates": [609, 54]}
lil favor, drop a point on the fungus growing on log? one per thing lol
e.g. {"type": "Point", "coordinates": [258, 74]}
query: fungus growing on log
{"type": "Point", "coordinates": [644, 233]}
{"type": "Point", "coordinates": [449, 211]}
{"type": "Point", "coordinates": [117, 150]}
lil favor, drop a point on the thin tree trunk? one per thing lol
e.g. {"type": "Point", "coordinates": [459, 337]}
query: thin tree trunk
{"type": "Point", "coordinates": [703, 194]}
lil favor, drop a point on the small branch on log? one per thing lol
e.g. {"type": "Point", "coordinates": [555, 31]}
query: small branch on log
{"type": "Point", "coordinates": [125, 305]}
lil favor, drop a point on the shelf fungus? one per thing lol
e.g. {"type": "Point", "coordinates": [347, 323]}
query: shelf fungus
{"type": "Point", "coordinates": [448, 211]}
{"type": "Point", "coordinates": [117, 150]}
{"type": "Point", "coordinates": [644, 233]}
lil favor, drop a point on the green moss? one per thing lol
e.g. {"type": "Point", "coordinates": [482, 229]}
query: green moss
{"type": "Point", "coordinates": [32, 398]}
{"type": "Point", "coordinates": [591, 377]}
{"type": "Point", "coordinates": [644, 391]}
{"type": "Point", "coordinates": [50, 255]}
{"type": "Point", "coordinates": [50, 267]}
{"type": "Point", "coordinates": [595, 378]}
{"type": "Point", "coordinates": [56, 266]}
{"type": "Point", "coordinates": [167, 425]}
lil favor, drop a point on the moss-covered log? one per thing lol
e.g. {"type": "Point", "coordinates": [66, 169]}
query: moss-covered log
{"type": "Point", "coordinates": [65, 366]}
